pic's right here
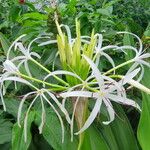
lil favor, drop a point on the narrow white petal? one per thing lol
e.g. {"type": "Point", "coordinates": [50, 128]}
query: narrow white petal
{"type": "Point", "coordinates": [109, 59]}
{"type": "Point", "coordinates": [64, 73]}
{"type": "Point", "coordinates": [130, 76]}
{"type": "Point", "coordinates": [99, 42]}
{"type": "Point", "coordinates": [128, 47]}
{"type": "Point", "coordinates": [95, 71]}
{"type": "Point", "coordinates": [30, 44]}
{"type": "Point", "coordinates": [18, 80]}
{"type": "Point", "coordinates": [9, 50]}
{"type": "Point", "coordinates": [18, 58]}
{"type": "Point", "coordinates": [35, 54]}
{"type": "Point", "coordinates": [141, 74]}
{"type": "Point", "coordinates": [9, 66]}
{"type": "Point", "coordinates": [110, 110]}
{"type": "Point", "coordinates": [123, 100]}
{"type": "Point", "coordinates": [144, 63]}
{"type": "Point", "coordinates": [147, 55]}
{"type": "Point", "coordinates": [76, 94]}
{"type": "Point", "coordinates": [48, 42]}
{"type": "Point", "coordinates": [27, 68]}
{"type": "Point", "coordinates": [21, 105]}
{"type": "Point", "coordinates": [26, 119]}
{"type": "Point", "coordinates": [132, 67]}
{"type": "Point", "coordinates": [60, 106]}
{"type": "Point", "coordinates": [92, 116]}
{"type": "Point", "coordinates": [59, 117]}
{"type": "Point", "coordinates": [2, 99]}
{"type": "Point", "coordinates": [21, 48]}
{"type": "Point", "coordinates": [43, 116]}
{"type": "Point", "coordinates": [20, 63]}
{"type": "Point", "coordinates": [139, 40]}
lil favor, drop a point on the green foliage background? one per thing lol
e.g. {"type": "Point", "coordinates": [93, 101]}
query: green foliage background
{"type": "Point", "coordinates": [132, 131]}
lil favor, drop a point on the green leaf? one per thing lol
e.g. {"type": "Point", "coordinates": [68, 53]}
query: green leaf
{"type": "Point", "coordinates": [18, 142]}
{"type": "Point", "coordinates": [93, 140]}
{"type": "Point", "coordinates": [4, 42]}
{"type": "Point", "coordinates": [5, 131]}
{"type": "Point", "coordinates": [12, 106]}
{"type": "Point", "coordinates": [123, 131]}
{"type": "Point", "coordinates": [52, 132]}
{"type": "Point", "coordinates": [144, 124]}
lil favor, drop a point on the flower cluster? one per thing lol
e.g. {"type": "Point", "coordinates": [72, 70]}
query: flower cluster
{"type": "Point", "coordinates": [80, 57]}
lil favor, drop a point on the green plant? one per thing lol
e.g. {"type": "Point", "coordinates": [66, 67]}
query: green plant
{"type": "Point", "coordinates": [81, 83]}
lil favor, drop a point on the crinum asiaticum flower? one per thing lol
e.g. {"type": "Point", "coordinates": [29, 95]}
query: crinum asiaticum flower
{"type": "Point", "coordinates": [104, 93]}
{"type": "Point", "coordinates": [10, 74]}
{"type": "Point", "coordinates": [81, 79]}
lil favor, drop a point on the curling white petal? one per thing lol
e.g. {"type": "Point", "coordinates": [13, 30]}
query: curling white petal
{"type": "Point", "coordinates": [35, 54]}
{"type": "Point", "coordinates": [18, 58]}
{"type": "Point", "coordinates": [92, 116]}
{"type": "Point", "coordinates": [144, 63]}
{"type": "Point", "coordinates": [59, 117]}
{"type": "Point", "coordinates": [21, 48]}
{"type": "Point", "coordinates": [139, 40]}
{"type": "Point", "coordinates": [64, 73]}
{"type": "Point", "coordinates": [2, 99]}
{"type": "Point", "coordinates": [27, 68]}
{"type": "Point", "coordinates": [18, 80]}
{"type": "Point", "coordinates": [95, 71]}
{"type": "Point", "coordinates": [110, 110]}
{"type": "Point", "coordinates": [130, 76]}
{"type": "Point", "coordinates": [43, 116]}
{"type": "Point", "coordinates": [59, 105]}
{"type": "Point", "coordinates": [76, 94]}
{"type": "Point", "coordinates": [124, 101]}
{"type": "Point", "coordinates": [21, 105]}
{"type": "Point", "coordinates": [48, 42]}
{"type": "Point", "coordinates": [9, 66]}
{"type": "Point", "coordinates": [9, 50]}
{"type": "Point", "coordinates": [30, 44]}
{"type": "Point", "coordinates": [99, 42]}
{"type": "Point", "coordinates": [109, 59]}
{"type": "Point", "coordinates": [132, 67]}
{"type": "Point", "coordinates": [147, 55]}
{"type": "Point", "coordinates": [26, 118]}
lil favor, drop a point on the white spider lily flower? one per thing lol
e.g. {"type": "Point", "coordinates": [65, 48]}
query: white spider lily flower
{"type": "Point", "coordinates": [27, 55]}
{"type": "Point", "coordinates": [10, 48]}
{"type": "Point", "coordinates": [139, 57]}
{"type": "Point", "coordinates": [105, 94]}
{"type": "Point", "coordinates": [42, 95]}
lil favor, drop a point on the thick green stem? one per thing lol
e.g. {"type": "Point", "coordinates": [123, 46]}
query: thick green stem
{"type": "Point", "coordinates": [119, 66]}
{"type": "Point", "coordinates": [43, 82]}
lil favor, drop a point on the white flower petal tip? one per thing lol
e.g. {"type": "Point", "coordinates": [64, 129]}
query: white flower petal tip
{"type": "Point", "coordinates": [10, 67]}
{"type": "Point", "coordinates": [106, 122]}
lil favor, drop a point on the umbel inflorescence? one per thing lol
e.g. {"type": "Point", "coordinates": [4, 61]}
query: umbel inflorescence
{"type": "Point", "coordinates": [79, 57]}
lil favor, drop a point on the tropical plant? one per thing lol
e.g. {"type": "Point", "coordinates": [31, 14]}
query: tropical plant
{"type": "Point", "coordinates": [81, 81]}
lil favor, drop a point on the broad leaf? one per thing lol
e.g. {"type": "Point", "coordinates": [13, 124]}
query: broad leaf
{"type": "Point", "coordinates": [93, 140]}
{"type": "Point", "coordinates": [52, 132]}
{"type": "Point", "coordinates": [144, 124]}
{"type": "Point", "coordinates": [5, 131]}
{"type": "Point", "coordinates": [18, 140]}
{"type": "Point", "coordinates": [4, 42]}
